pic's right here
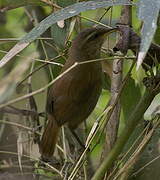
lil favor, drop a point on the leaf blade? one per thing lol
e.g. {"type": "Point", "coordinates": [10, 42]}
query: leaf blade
{"type": "Point", "coordinates": [148, 13]}
{"type": "Point", "coordinates": [62, 14]}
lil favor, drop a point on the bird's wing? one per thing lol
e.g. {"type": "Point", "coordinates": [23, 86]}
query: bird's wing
{"type": "Point", "coordinates": [67, 95]}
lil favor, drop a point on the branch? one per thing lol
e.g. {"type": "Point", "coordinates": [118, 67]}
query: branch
{"type": "Point", "coordinates": [116, 81]}
{"type": "Point", "coordinates": [134, 119]}
{"type": "Point", "coordinates": [24, 112]}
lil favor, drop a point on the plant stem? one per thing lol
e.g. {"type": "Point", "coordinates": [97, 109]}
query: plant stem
{"type": "Point", "coordinates": [134, 119]}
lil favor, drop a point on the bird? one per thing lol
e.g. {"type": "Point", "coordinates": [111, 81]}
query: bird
{"type": "Point", "coordinates": [72, 98]}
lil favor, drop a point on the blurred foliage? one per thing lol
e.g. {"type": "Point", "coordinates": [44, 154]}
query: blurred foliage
{"type": "Point", "coordinates": [9, 4]}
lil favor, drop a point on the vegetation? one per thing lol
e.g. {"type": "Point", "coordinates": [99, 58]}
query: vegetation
{"type": "Point", "coordinates": [121, 136]}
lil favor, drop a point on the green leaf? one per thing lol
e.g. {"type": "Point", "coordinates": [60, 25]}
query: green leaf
{"type": "Point", "coordinates": [148, 13]}
{"type": "Point", "coordinates": [11, 4]}
{"type": "Point", "coordinates": [157, 35]}
{"type": "Point", "coordinates": [62, 14]}
{"type": "Point", "coordinates": [59, 34]}
{"type": "Point", "coordinates": [66, 13]}
{"type": "Point", "coordinates": [64, 3]}
{"type": "Point", "coordinates": [130, 98]}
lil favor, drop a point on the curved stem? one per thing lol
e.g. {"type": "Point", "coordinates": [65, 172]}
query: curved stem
{"type": "Point", "coordinates": [134, 119]}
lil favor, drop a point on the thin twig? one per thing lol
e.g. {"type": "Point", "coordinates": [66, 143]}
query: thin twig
{"type": "Point", "coordinates": [48, 165]}
{"type": "Point", "coordinates": [18, 39]}
{"type": "Point", "coordinates": [24, 112]}
{"type": "Point", "coordinates": [97, 125]}
{"type": "Point", "coordinates": [18, 125]}
{"type": "Point", "coordinates": [129, 150]}
{"type": "Point", "coordinates": [134, 119]}
{"type": "Point", "coordinates": [49, 84]}
{"type": "Point", "coordinates": [134, 156]}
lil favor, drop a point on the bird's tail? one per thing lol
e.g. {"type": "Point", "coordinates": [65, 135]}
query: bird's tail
{"type": "Point", "coordinates": [49, 138]}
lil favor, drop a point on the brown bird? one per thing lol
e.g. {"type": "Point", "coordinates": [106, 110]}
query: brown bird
{"type": "Point", "coordinates": [73, 97]}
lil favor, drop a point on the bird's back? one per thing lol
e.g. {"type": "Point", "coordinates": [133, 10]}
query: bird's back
{"type": "Point", "coordinates": [75, 95]}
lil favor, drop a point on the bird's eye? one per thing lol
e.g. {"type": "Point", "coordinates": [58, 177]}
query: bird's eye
{"type": "Point", "coordinates": [95, 35]}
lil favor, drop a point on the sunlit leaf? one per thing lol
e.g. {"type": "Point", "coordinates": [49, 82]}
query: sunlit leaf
{"type": "Point", "coordinates": [20, 149]}
{"type": "Point", "coordinates": [148, 13]}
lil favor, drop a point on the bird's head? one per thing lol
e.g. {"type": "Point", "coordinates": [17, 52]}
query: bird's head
{"type": "Point", "coordinates": [87, 44]}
